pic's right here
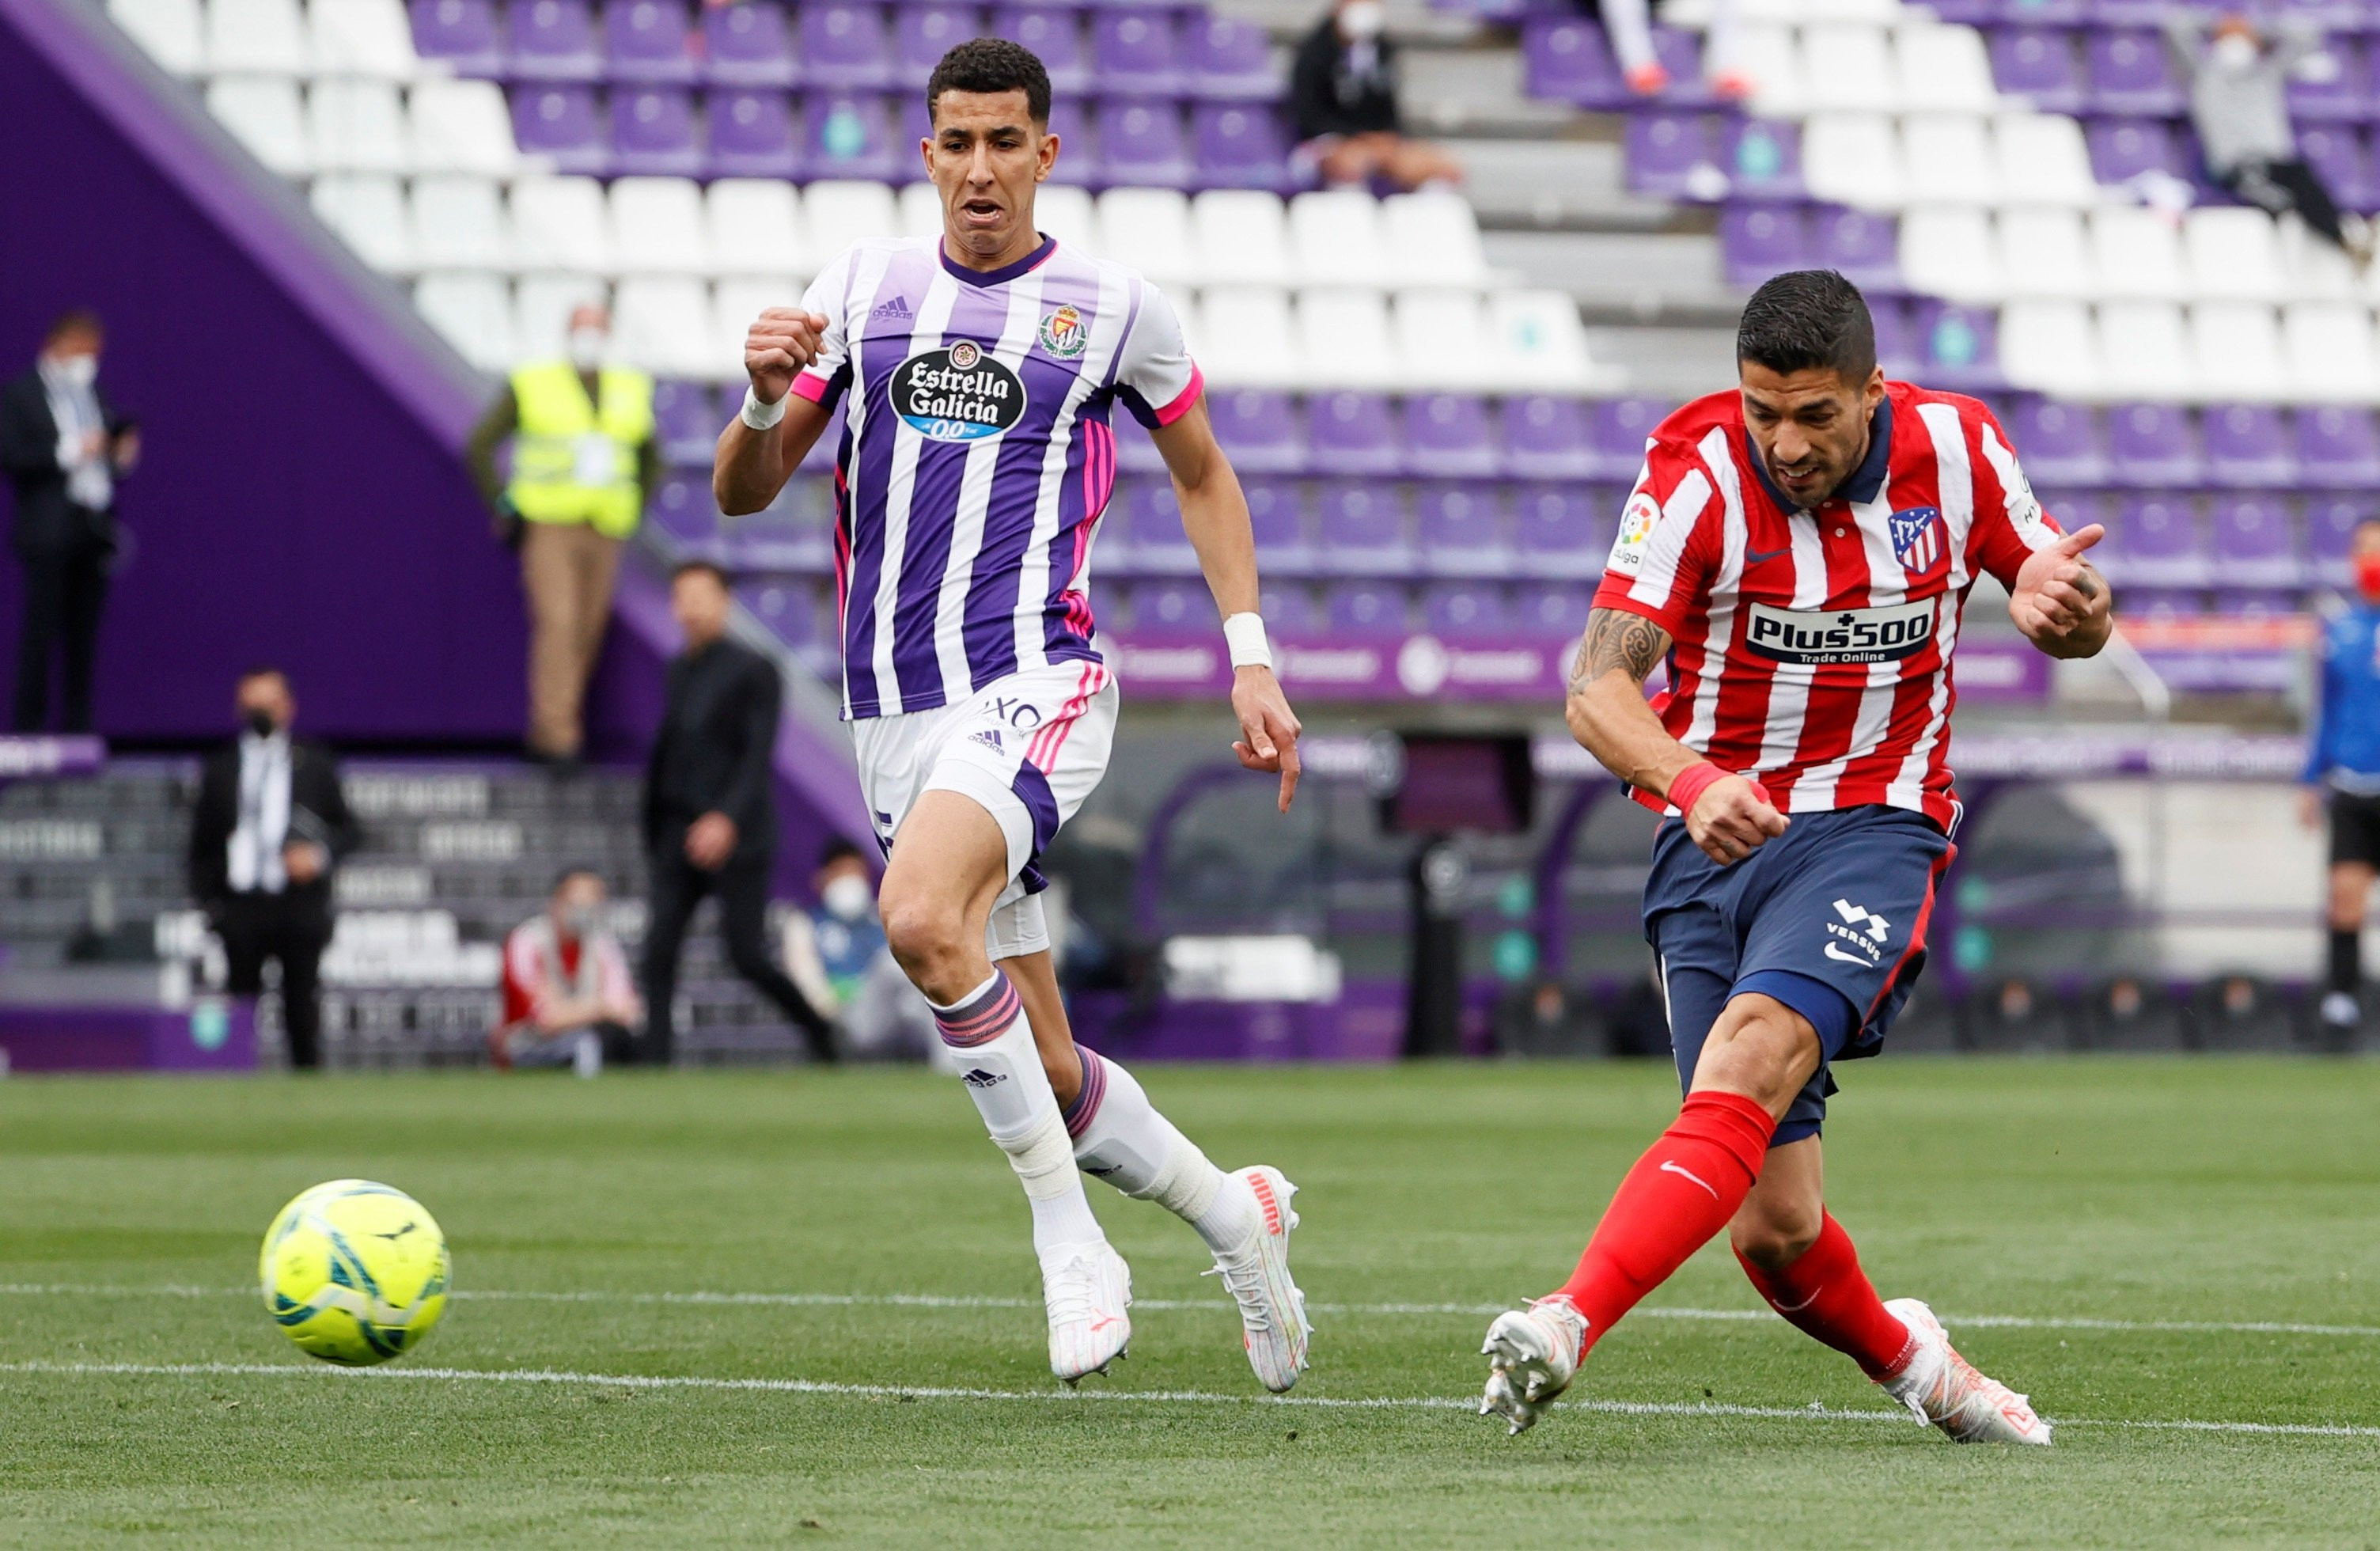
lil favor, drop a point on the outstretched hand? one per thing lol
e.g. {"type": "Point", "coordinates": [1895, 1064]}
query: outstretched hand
{"type": "Point", "coordinates": [1268, 728]}
{"type": "Point", "coordinates": [2058, 600]}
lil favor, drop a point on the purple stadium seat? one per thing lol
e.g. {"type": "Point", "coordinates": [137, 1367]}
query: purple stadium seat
{"type": "Point", "coordinates": [2255, 544]}
{"type": "Point", "coordinates": [1240, 145]}
{"type": "Point", "coordinates": [1055, 34]}
{"type": "Point", "coordinates": [2247, 444]}
{"type": "Point", "coordinates": [1078, 148]}
{"type": "Point", "coordinates": [1758, 241]}
{"type": "Point", "coordinates": [846, 136]}
{"type": "Point", "coordinates": [1558, 532]}
{"type": "Point", "coordinates": [686, 418]}
{"type": "Point", "coordinates": [1465, 611]}
{"type": "Point", "coordinates": [1362, 529]}
{"type": "Point", "coordinates": [2149, 447]}
{"type": "Point", "coordinates": [1134, 53]}
{"type": "Point", "coordinates": [1551, 611]}
{"type": "Point", "coordinates": [791, 535]}
{"type": "Point", "coordinates": [1152, 529]}
{"type": "Point", "coordinates": [2157, 544]}
{"type": "Point", "coordinates": [1681, 54]}
{"type": "Point", "coordinates": [2343, 96]}
{"type": "Point", "coordinates": [1665, 149]}
{"type": "Point", "coordinates": [1896, 337]}
{"type": "Point", "coordinates": [2124, 12]}
{"type": "Point", "coordinates": [1141, 143]}
{"type": "Point", "coordinates": [559, 121]}
{"type": "Point", "coordinates": [1171, 608]}
{"type": "Point", "coordinates": [842, 47]}
{"type": "Point", "coordinates": [1230, 60]}
{"type": "Point", "coordinates": [461, 33]}
{"type": "Point", "coordinates": [788, 608]}
{"type": "Point", "coordinates": [2040, 65]}
{"type": "Point", "coordinates": [1762, 158]}
{"type": "Point", "coordinates": [2060, 443]}
{"type": "Point", "coordinates": [922, 34]}
{"type": "Point", "coordinates": [1959, 346]}
{"type": "Point", "coordinates": [1352, 434]}
{"type": "Point", "coordinates": [1569, 61]}
{"type": "Point", "coordinates": [1864, 246]}
{"type": "Point", "coordinates": [1966, 13]}
{"type": "Point", "coordinates": [1368, 608]}
{"type": "Point", "coordinates": [2330, 524]}
{"type": "Point", "coordinates": [747, 45]}
{"type": "Point", "coordinates": [2129, 72]}
{"type": "Point", "coordinates": [1545, 438]}
{"type": "Point", "coordinates": [552, 40]}
{"type": "Point", "coordinates": [2336, 152]}
{"type": "Point", "coordinates": [1462, 529]}
{"type": "Point", "coordinates": [1256, 427]}
{"type": "Point", "coordinates": [1447, 437]}
{"type": "Point", "coordinates": [647, 39]}
{"type": "Point", "coordinates": [652, 132]}
{"type": "Point", "coordinates": [2122, 149]}
{"type": "Point", "coordinates": [683, 508]}
{"type": "Point", "coordinates": [1290, 609]}
{"type": "Point", "coordinates": [2045, 13]}
{"type": "Point", "coordinates": [2338, 448]}
{"type": "Point", "coordinates": [751, 132]}
{"type": "Point", "coordinates": [1616, 429]}
{"type": "Point", "coordinates": [1277, 515]}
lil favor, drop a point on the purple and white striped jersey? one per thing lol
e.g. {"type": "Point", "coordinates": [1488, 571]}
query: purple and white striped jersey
{"type": "Point", "coordinates": [977, 455]}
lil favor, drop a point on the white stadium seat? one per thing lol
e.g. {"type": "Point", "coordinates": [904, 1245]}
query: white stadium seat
{"type": "Point", "coordinates": [2043, 252]}
{"type": "Point", "coordinates": [559, 224]}
{"type": "Point", "coordinates": [356, 126]}
{"type": "Point", "coordinates": [1242, 337]}
{"type": "Point", "coordinates": [2233, 254]}
{"type": "Point", "coordinates": [1442, 338]}
{"type": "Point", "coordinates": [1849, 64]}
{"type": "Point", "coordinates": [361, 38]}
{"type": "Point", "coordinates": [1941, 69]}
{"type": "Point", "coordinates": [2315, 269]}
{"type": "Point", "coordinates": [2328, 350]}
{"type": "Point", "coordinates": [921, 206]}
{"type": "Point", "coordinates": [1150, 229]}
{"type": "Point", "coordinates": [264, 115]}
{"type": "Point", "coordinates": [172, 32]}
{"type": "Point", "coordinates": [2144, 351]}
{"type": "Point", "coordinates": [2136, 252]}
{"type": "Point", "coordinates": [542, 304]}
{"type": "Point", "coordinates": [1948, 160]}
{"type": "Point", "coordinates": [458, 222]}
{"type": "Point", "coordinates": [756, 227]}
{"type": "Point", "coordinates": [2043, 161]}
{"type": "Point", "coordinates": [1065, 212]}
{"type": "Point", "coordinates": [2051, 347]}
{"type": "Point", "coordinates": [1771, 53]}
{"type": "Point", "coordinates": [256, 37]}
{"type": "Point", "coordinates": [2237, 346]}
{"type": "Point", "coordinates": [657, 226]}
{"type": "Point", "coordinates": [1946, 251]}
{"type": "Point", "coordinates": [474, 314]}
{"type": "Point", "coordinates": [1854, 159]}
{"type": "Point", "coordinates": [461, 126]}
{"type": "Point", "coordinates": [837, 213]}
{"type": "Point", "coordinates": [734, 304]}
{"type": "Point", "coordinates": [1336, 239]}
{"type": "Point", "coordinates": [367, 210]}
{"type": "Point", "coordinates": [1433, 240]}
{"type": "Point", "coordinates": [1343, 337]}
{"type": "Point", "coordinates": [663, 323]}
{"type": "Point", "coordinates": [1242, 238]}
{"type": "Point", "coordinates": [1539, 343]}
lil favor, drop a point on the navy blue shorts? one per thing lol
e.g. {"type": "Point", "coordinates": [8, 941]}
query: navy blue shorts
{"type": "Point", "coordinates": [1828, 918]}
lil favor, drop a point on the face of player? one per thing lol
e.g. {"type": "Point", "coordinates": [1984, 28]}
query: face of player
{"type": "Point", "coordinates": [986, 155]}
{"type": "Point", "coordinates": [1810, 426]}
{"type": "Point", "coordinates": [578, 906]}
{"type": "Point", "coordinates": [700, 602]}
{"type": "Point", "coordinates": [265, 705]}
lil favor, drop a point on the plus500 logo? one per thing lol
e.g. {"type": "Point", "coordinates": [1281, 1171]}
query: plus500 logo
{"type": "Point", "coordinates": [1882, 635]}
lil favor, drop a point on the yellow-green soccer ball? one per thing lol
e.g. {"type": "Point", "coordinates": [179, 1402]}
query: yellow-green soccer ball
{"type": "Point", "coordinates": [354, 1272]}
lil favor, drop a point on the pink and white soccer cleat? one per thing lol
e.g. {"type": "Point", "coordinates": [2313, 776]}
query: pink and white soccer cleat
{"type": "Point", "coordinates": [1272, 1310]}
{"type": "Point", "coordinates": [1532, 1354]}
{"type": "Point", "coordinates": [1086, 1290]}
{"type": "Point", "coordinates": [1942, 1388]}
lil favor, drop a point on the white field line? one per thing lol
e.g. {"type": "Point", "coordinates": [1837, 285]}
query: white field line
{"type": "Point", "coordinates": [967, 1300]}
{"type": "Point", "coordinates": [1813, 1412]}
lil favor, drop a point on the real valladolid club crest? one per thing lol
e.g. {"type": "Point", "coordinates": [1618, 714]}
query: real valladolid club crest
{"type": "Point", "coordinates": [1061, 333]}
{"type": "Point", "coordinates": [1917, 538]}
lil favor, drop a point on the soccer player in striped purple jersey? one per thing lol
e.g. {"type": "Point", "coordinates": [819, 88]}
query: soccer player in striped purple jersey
{"type": "Point", "coordinates": [971, 380]}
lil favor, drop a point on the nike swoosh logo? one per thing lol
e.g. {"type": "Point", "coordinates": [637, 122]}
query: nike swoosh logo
{"type": "Point", "coordinates": [1753, 557]}
{"type": "Point", "coordinates": [1669, 1167]}
{"type": "Point", "coordinates": [1835, 953]}
{"type": "Point", "coordinates": [1797, 1308]}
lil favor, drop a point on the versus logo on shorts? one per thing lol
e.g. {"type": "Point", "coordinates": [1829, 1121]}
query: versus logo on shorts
{"type": "Point", "coordinates": [957, 394]}
{"type": "Point", "coordinates": [1883, 634]}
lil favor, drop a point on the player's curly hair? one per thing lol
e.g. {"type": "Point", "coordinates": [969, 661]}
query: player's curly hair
{"type": "Point", "coordinates": [992, 65]}
{"type": "Point", "coordinates": [1806, 319]}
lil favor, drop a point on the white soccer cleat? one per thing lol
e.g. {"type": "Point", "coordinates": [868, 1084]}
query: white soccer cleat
{"type": "Point", "coordinates": [1272, 1310]}
{"type": "Point", "coordinates": [1942, 1388]}
{"type": "Point", "coordinates": [1086, 1288]}
{"type": "Point", "coordinates": [1532, 1354]}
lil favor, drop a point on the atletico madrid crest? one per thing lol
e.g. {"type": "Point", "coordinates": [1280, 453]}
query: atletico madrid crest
{"type": "Point", "coordinates": [1917, 538]}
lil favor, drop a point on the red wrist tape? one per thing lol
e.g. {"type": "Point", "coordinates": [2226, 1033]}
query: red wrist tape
{"type": "Point", "coordinates": [1694, 780]}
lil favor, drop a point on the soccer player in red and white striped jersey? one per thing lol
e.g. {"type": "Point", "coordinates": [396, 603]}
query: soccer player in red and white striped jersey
{"type": "Point", "coordinates": [1800, 551]}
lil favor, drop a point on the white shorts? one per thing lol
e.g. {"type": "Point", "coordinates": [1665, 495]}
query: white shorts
{"type": "Point", "coordinates": [1029, 749]}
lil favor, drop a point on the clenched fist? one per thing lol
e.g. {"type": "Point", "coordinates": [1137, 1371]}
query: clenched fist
{"type": "Point", "coordinates": [779, 343]}
{"type": "Point", "coordinates": [1732, 819]}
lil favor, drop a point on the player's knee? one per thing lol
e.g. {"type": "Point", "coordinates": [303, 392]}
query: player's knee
{"type": "Point", "coordinates": [1760, 1047]}
{"type": "Point", "coordinates": [1773, 1237]}
{"type": "Point", "coordinates": [926, 934]}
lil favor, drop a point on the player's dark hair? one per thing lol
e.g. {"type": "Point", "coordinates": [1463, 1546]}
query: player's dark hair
{"type": "Point", "coordinates": [839, 849]}
{"type": "Point", "coordinates": [80, 320]}
{"type": "Point", "coordinates": [1808, 320]}
{"type": "Point", "coordinates": [711, 569]}
{"type": "Point", "coordinates": [991, 66]}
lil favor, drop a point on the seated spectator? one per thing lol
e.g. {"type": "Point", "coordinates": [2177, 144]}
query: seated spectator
{"type": "Point", "coordinates": [568, 999]}
{"type": "Point", "coordinates": [1629, 24]}
{"type": "Point", "coordinates": [836, 954]}
{"type": "Point", "coordinates": [1342, 92]}
{"type": "Point", "coordinates": [2239, 102]}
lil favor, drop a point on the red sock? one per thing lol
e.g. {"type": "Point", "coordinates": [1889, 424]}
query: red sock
{"type": "Point", "coordinates": [1825, 1295]}
{"type": "Point", "coordinates": [1681, 1192]}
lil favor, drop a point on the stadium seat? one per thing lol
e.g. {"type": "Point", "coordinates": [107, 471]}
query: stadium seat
{"type": "Point", "coordinates": [850, 135]}
{"type": "Point", "coordinates": [1067, 213]}
{"type": "Point", "coordinates": [2336, 152]}
{"type": "Point", "coordinates": [734, 304]}
{"type": "Point", "coordinates": [648, 41]}
{"type": "Point", "coordinates": [558, 123]}
{"type": "Point", "coordinates": [1053, 33]}
{"type": "Point", "coordinates": [2060, 443]}
{"type": "Point", "coordinates": [837, 213]}
{"type": "Point", "coordinates": [1433, 239]}
{"type": "Point", "coordinates": [256, 37]}
{"type": "Point", "coordinates": [1141, 143]}
{"type": "Point", "coordinates": [2129, 72]}
{"type": "Point", "coordinates": [2330, 524]}
{"type": "Point", "coordinates": [1157, 543]}
{"type": "Point", "coordinates": [2238, 349]}
{"type": "Point", "coordinates": [461, 35]}
{"type": "Point", "coordinates": [749, 45]}
{"type": "Point", "coordinates": [1241, 237]}
{"type": "Point", "coordinates": [2039, 64]}
{"type": "Point", "coordinates": [1230, 60]}
{"type": "Point", "coordinates": [2043, 159]}
{"type": "Point", "coordinates": [2125, 149]}
{"type": "Point", "coordinates": [923, 34]}
{"type": "Point", "coordinates": [2152, 446]}
{"type": "Point", "coordinates": [1854, 158]}
{"type": "Point", "coordinates": [1343, 339]}
{"type": "Point", "coordinates": [1948, 251]}
{"type": "Point", "coordinates": [1446, 334]}
{"type": "Point", "coordinates": [542, 307]}
{"type": "Point", "coordinates": [1958, 347]}
{"type": "Point", "coordinates": [683, 509]}
{"type": "Point", "coordinates": [751, 130]}
{"type": "Point", "coordinates": [371, 38]}
{"type": "Point", "coordinates": [1948, 159]}
{"type": "Point", "coordinates": [1258, 428]}
{"type": "Point", "coordinates": [1240, 145]}
{"type": "Point", "coordinates": [2157, 544]}
{"type": "Point", "coordinates": [1670, 155]}
{"type": "Point", "coordinates": [1352, 434]}
{"type": "Point", "coordinates": [687, 421]}
{"type": "Point", "coordinates": [843, 47]}
{"type": "Point", "coordinates": [1373, 609]}
{"type": "Point", "coordinates": [458, 222]}
{"type": "Point", "coordinates": [1337, 239]}
{"type": "Point", "coordinates": [461, 126]}
{"type": "Point", "coordinates": [664, 324]}
{"type": "Point", "coordinates": [1135, 52]}
{"type": "Point", "coordinates": [368, 212]}
{"type": "Point", "coordinates": [1171, 607]}
{"type": "Point", "coordinates": [2255, 547]}
{"type": "Point", "coordinates": [1070, 125]}
{"type": "Point", "coordinates": [754, 227]}
{"type": "Point", "coordinates": [1446, 436]}
{"type": "Point", "coordinates": [658, 227]}
{"type": "Point", "coordinates": [1244, 336]}
{"type": "Point", "coordinates": [1462, 530]}
{"type": "Point", "coordinates": [1557, 533]}
{"type": "Point", "coordinates": [2231, 254]}
{"type": "Point", "coordinates": [172, 32]}
{"type": "Point", "coordinates": [1569, 61]}
{"type": "Point", "coordinates": [1465, 611]}
{"type": "Point", "coordinates": [2333, 84]}
{"type": "Point", "coordinates": [1550, 611]}
{"type": "Point", "coordinates": [786, 608]}
{"type": "Point", "coordinates": [1544, 437]}
{"type": "Point", "coordinates": [1539, 343]}
{"type": "Point", "coordinates": [2137, 254]}
{"type": "Point", "coordinates": [2050, 346]}
{"type": "Point", "coordinates": [559, 224]}
{"type": "Point", "coordinates": [1861, 244]}
{"type": "Point", "coordinates": [1758, 241]}
{"type": "Point", "coordinates": [474, 314]}
{"type": "Point", "coordinates": [2339, 447]}
{"type": "Point", "coordinates": [1291, 608]}
{"type": "Point", "coordinates": [1762, 159]}
{"type": "Point", "coordinates": [1617, 431]}
{"type": "Point", "coordinates": [2144, 350]}
{"type": "Point", "coordinates": [2328, 349]}
{"type": "Point", "coordinates": [1850, 66]}
{"type": "Point", "coordinates": [264, 115]}
{"type": "Point", "coordinates": [552, 40]}
{"type": "Point", "coordinates": [654, 132]}
{"type": "Point", "coordinates": [1942, 69]}
{"type": "Point", "coordinates": [1277, 518]}
{"type": "Point", "coordinates": [2043, 252]}
{"type": "Point", "coordinates": [1896, 338]}
{"type": "Point", "coordinates": [920, 207]}
{"type": "Point", "coordinates": [1361, 530]}
{"type": "Point", "coordinates": [356, 126]}
{"type": "Point", "coordinates": [1149, 230]}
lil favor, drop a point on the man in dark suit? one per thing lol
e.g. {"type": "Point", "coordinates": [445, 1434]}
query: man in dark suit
{"type": "Point", "coordinates": [272, 822]}
{"type": "Point", "coordinates": [63, 449]}
{"type": "Point", "coordinates": [710, 823]}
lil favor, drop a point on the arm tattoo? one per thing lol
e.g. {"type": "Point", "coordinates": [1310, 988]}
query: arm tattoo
{"type": "Point", "coordinates": [1616, 639]}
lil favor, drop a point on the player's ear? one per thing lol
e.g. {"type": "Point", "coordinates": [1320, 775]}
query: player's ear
{"type": "Point", "coordinates": [1045, 154]}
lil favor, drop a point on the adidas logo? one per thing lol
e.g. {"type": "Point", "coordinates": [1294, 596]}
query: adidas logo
{"type": "Point", "coordinates": [897, 308]}
{"type": "Point", "coordinates": [988, 737]}
{"type": "Point", "coordinates": [979, 1078]}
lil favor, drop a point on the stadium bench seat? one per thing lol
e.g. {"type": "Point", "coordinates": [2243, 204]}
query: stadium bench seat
{"type": "Point", "coordinates": [367, 210]}
{"type": "Point", "coordinates": [263, 112]}
{"type": "Point", "coordinates": [256, 37]}
{"type": "Point", "coordinates": [474, 314]}
{"type": "Point", "coordinates": [371, 38]}
{"type": "Point", "coordinates": [357, 126]}
{"type": "Point", "coordinates": [461, 126]}
{"type": "Point", "coordinates": [458, 222]}
{"type": "Point", "coordinates": [172, 32]}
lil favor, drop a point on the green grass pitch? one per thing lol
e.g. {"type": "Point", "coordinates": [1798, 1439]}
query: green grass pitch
{"type": "Point", "coordinates": [600, 1231]}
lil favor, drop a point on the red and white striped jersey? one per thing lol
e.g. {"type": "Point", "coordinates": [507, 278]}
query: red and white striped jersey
{"type": "Point", "coordinates": [1812, 648]}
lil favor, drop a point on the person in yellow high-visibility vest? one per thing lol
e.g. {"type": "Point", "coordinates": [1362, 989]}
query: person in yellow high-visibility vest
{"type": "Point", "coordinates": [584, 458]}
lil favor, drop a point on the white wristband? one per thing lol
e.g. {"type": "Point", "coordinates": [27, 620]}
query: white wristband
{"type": "Point", "coordinates": [1245, 634]}
{"type": "Point", "coordinates": [760, 415]}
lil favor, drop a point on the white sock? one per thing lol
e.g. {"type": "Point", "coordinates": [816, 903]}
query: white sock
{"type": "Point", "coordinates": [1119, 1136]}
{"type": "Point", "coordinates": [987, 1034]}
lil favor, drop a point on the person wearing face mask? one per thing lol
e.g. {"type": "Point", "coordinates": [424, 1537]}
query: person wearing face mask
{"type": "Point", "coordinates": [584, 459]}
{"type": "Point", "coordinates": [1342, 93]}
{"type": "Point", "coordinates": [270, 824]}
{"type": "Point", "coordinates": [568, 998]}
{"type": "Point", "coordinates": [837, 953]}
{"type": "Point", "coordinates": [2342, 777]}
{"type": "Point", "coordinates": [63, 449]}
{"type": "Point", "coordinates": [2239, 102]}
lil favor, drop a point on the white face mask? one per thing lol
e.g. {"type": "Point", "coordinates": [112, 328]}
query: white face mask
{"type": "Point", "coordinates": [848, 897]}
{"type": "Point", "coordinates": [81, 372]}
{"type": "Point", "coordinates": [2235, 53]}
{"type": "Point", "coordinates": [1364, 19]}
{"type": "Point", "coordinates": [587, 348]}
